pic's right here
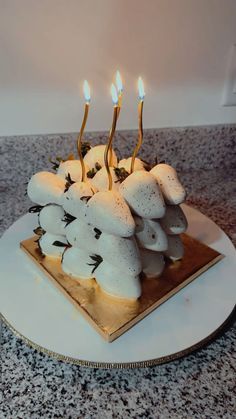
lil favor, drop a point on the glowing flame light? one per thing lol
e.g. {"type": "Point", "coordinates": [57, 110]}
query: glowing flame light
{"type": "Point", "coordinates": [141, 91]}
{"type": "Point", "coordinates": [119, 84]}
{"type": "Point", "coordinates": [114, 95]}
{"type": "Point", "coordinates": [86, 89]}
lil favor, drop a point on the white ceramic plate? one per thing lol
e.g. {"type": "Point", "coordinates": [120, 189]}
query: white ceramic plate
{"type": "Point", "coordinates": [44, 318]}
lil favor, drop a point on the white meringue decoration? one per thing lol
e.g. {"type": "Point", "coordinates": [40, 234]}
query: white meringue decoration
{"type": "Point", "coordinates": [117, 283]}
{"type": "Point", "coordinates": [143, 195]}
{"type": "Point", "coordinates": [51, 219]}
{"type": "Point", "coordinates": [83, 236]}
{"type": "Point", "coordinates": [175, 249]}
{"type": "Point", "coordinates": [174, 220]}
{"type": "Point", "coordinates": [169, 183]}
{"type": "Point", "coordinates": [46, 188]}
{"type": "Point", "coordinates": [108, 211]}
{"type": "Point", "coordinates": [153, 263]}
{"type": "Point", "coordinates": [126, 163]}
{"type": "Point", "coordinates": [72, 168]}
{"type": "Point", "coordinates": [96, 155]}
{"type": "Point", "coordinates": [48, 248]}
{"type": "Point", "coordinates": [74, 201]}
{"type": "Point", "coordinates": [100, 180]}
{"type": "Point", "coordinates": [122, 251]}
{"type": "Point", "coordinates": [78, 263]}
{"type": "Point", "coordinates": [150, 235]}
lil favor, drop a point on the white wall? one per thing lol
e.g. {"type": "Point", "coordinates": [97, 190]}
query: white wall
{"type": "Point", "coordinates": [48, 47]}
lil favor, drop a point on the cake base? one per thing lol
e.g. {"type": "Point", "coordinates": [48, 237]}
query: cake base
{"type": "Point", "coordinates": [110, 316]}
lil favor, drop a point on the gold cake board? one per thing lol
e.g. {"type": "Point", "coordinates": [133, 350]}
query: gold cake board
{"type": "Point", "coordinates": [110, 316]}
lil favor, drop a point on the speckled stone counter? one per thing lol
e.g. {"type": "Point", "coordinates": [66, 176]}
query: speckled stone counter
{"type": "Point", "coordinates": [198, 386]}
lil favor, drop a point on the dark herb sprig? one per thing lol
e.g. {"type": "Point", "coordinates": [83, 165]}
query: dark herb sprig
{"type": "Point", "coordinates": [97, 260]}
{"type": "Point", "coordinates": [91, 173]}
{"type": "Point", "coordinates": [35, 209]}
{"type": "Point", "coordinates": [85, 147]}
{"type": "Point", "coordinates": [68, 218]}
{"type": "Point", "coordinates": [56, 164]}
{"type": "Point", "coordinates": [59, 244]}
{"type": "Point", "coordinates": [97, 233]}
{"type": "Point", "coordinates": [85, 198]}
{"type": "Point", "coordinates": [121, 174]}
{"type": "Point", "coordinates": [69, 182]}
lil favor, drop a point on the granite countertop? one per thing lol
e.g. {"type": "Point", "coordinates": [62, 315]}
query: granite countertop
{"type": "Point", "coordinates": [200, 385]}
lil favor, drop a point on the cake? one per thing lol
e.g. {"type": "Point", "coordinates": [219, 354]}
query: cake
{"type": "Point", "coordinates": [115, 236]}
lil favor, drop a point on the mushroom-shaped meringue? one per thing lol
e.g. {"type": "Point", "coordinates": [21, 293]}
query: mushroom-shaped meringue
{"type": "Point", "coordinates": [46, 188]}
{"type": "Point", "coordinates": [108, 211]}
{"type": "Point", "coordinates": [150, 235]}
{"type": "Point", "coordinates": [96, 155]}
{"type": "Point", "coordinates": [74, 200]}
{"type": "Point", "coordinates": [72, 168]}
{"type": "Point", "coordinates": [169, 183]}
{"type": "Point", "coordinates": [51, 219]}
{"type": "Point", "coordinates": [143, 195]}
{"type": "Point", "coordinates": [122, 251]}
{"type": "Point", "coordinates": [52, 244]}
{"type": "Point", "coordinates": [175, 249]}
{"type": "Point", "coordinates": [84, 236]}
{"type": "Point", "coordinates": [80, 263]}
{"type": "Point", "coordinates": [126, 163]}
{"type": "Point", "coordinates": [117, 283]}
{"type": "Point", "coordinates": [153, 263]}
{"type": "Point", "coordinates": [174, 220]}
{"type": "Point", "coordinates": [100, 180]}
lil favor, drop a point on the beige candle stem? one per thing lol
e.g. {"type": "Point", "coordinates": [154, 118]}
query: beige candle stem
{"type": "Point", "coordinates": [108, 149]}
{"type": "Point", "coordinates": [79, 141]}
{"type": "Point", "coordinates": [140, 135]}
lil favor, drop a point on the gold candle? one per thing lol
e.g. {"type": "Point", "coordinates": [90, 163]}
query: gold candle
{"type": "Point", "coordinates": [108, 150]}
{"type": "Point", "coordinates": [87, 97]}
{"type": "Point", "coordinates": [119, 87]}
{"type": "Point", "coordinates": [140, 120]}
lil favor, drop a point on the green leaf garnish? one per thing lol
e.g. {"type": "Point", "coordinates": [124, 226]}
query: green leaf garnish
{"type": "Point", "coordinates": [68, 218]}
{"type": "Point", "coordinates": [91, 173]}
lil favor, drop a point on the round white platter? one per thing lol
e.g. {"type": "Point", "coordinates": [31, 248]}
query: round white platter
{"type": "Point", "coordinates": [41, 315]}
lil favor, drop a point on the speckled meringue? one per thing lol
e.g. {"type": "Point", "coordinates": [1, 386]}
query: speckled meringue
{"type": "Point", "coordinates": [78, 263]}
{"type": "Point", "coordinates": [46, 188]}
{"type": "Point", "coordinates": [100, 180]}
{"type": "Point", "coordinates": [126, 163]}
{"type": "Point", "coordinates": [96, 155]}
{"type": "Point", "coordinates": [122, 251]}
{"type": "Point", "coordinates": [108, 211]}
{"type": "Point", "coordinates": [71, 167]}
{"type": "Point", "coordinates": [175, 249]}
{"type": "Point", "coordinates": [48, 248]}
{"type": "Point", "coordinates": [169, 183]}
{"type": "Point", "coordinates": [143, 195]}
{"type": "Point", "coordinates": [117, 283]}
{"type": "Point", "coordinates": [153, 263]}
{"type": "Point", "coordinates": [174, 220]}
{"type": "Point", "coordinates": [150, 235]}
{"type": "Point", "coordinates": [74, 201]}
{"type": "Point", "coordinates": [51, 219]}
{"type": "Point", "coordinates": [82, 235]}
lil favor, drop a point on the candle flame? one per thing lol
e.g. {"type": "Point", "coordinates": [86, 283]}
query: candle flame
{"type": "Point", "coordinates": [141, 91]}
{"type": "Point", "coordinates": [119, 84]}
{"type": "Point", "coordinates": [114, 95]}
{"type": "Point", "coordinates": [86, 89]}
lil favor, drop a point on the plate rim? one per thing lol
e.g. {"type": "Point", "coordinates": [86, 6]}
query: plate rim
{"type": "Point", "coordinates": [125, 365]}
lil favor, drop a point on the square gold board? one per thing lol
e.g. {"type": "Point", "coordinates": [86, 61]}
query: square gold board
{"type": "Point", "coordinates": [112, 317]}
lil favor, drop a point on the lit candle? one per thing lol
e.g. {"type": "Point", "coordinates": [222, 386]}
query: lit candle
{"type": "Point", "coordinates": [140, 119]}
{"type": "Point", "coordinates": [108, 150]}
{"type": "Point", "coordinates": [119, 86]}
{"type": "Point", "coordinates": [87, 97]}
